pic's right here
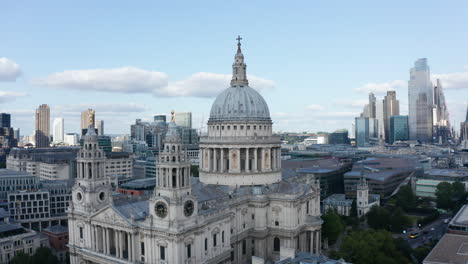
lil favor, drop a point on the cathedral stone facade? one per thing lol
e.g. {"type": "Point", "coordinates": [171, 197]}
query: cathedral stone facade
{"type": "Point", "coordinates": [238, 208]}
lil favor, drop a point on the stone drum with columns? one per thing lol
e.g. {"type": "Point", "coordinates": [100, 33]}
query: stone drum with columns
{"type": "Point", "coordinates": [240, 148]}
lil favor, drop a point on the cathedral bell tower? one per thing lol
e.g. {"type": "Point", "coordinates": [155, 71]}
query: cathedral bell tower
{"type": "Point", "coordinates": [92, 190]}
{"type": "Point", "coordinates": [173, 203]}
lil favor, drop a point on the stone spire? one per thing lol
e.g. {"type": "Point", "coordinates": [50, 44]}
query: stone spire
{"type": "Point", "coordinates": [239, 69]}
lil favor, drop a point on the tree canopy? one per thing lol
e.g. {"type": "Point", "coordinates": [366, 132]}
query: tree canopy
{"type": "Point", "coordinates": [332, 226]}
{"type": "Point", "coordinates": [370, 246]}
{"type": "Point", "coordinates": [449, 195]}
{"type": "Point", "coordinates": [43, 255]}
{"type": "Point", "coordinates": [381, 218]}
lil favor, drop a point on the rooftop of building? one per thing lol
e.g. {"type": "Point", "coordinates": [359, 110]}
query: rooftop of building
{"type": "Point", "coordinates": [447, 172]}
{"type": "Point", "coordinates": [7, 229]}
{"type": "Point", "coordinates": [461, 218]}
{"type": "Point", "coordinates": [341, 198]}
{"type": "Point", "coordinates": [293, 167]}
{"type": "Point", "coordinates": [309, 258]}
{"type": "Point", "coordinates": [118, 155]}
{"type": "Point", "coordinates": [56, 229]}
{"type": "Point", "coordinates": [383, 168]}
{"type": "Point", "coordinates": [6, 173]}
{"type": "Point", "coordinates": [3, 213]}
{"type": "Point", "coordinates": [451, 248]}
{"type": "Point", "coordinates": [139, 184]}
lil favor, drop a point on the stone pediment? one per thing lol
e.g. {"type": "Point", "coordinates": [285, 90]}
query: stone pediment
{"type": "Point", "coordinates": [110, 216]}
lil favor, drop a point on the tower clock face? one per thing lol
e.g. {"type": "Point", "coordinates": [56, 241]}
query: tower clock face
{"type": "Point", "coordinates": [161, 209]}
{"type": "Point", "coordinates": [188, 208]}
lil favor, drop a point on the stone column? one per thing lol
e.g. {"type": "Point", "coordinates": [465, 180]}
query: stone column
{"type": "Point", "coordinates": [200, 158]}
{"type": "Point", "coordinates": [129, 247]}
{"type": "Point", "coordinates": [210, 158]}
{"type": "Point", "coordinates": [215, 163]}
{"type": "Point", "coordinates": [221, 160]}
{"type": "Point", "coordinates": [262, 159]}
{"type": "Point", "coordinates": [317, 238]}
{"type": "Point", "coordinates": [273, 158]}
{"type": "Point", "coordinates": [238, 151]}
{"type": "Point", "coordinates": [247, 169]}
{"type": "Point", "coordinates": [255, 160]}
{"type": "Point", "coordinates": [311, 233]}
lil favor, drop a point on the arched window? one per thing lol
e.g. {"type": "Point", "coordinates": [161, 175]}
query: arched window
{"type": "Point", "coordinates": [173, 148]}
{"type": "Point", "coordinates": [173, 159]}
{"type": "Point", "coordinates": [276, 244]}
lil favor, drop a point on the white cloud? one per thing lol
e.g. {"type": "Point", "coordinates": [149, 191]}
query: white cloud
{"type": "Point", "coordinates": [9, 70]}
{"type": "Point", "coordinates": [123, 80]}
{"type": "Point", "coordinates": [380, 88]}
{"type": "Point", "coordinates": [101, 109]}
{"type": "Point", "coordinates": [134, 80]}
{"type": "Point", "coordinates": [206, 84]}
{"type": "Point", "coordinates": [457, 80]}
{"type": "Point", "coordinates": [7, 96]}
{"type": "Point", "coordinates": [315, 107]}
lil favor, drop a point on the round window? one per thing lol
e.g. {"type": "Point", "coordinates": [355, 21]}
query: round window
{"type": "Point", "coordinates": [102, 196]}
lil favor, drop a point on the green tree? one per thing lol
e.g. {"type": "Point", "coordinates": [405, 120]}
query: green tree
{"type": "Point", "coordinates": [458, 189]}
{"type": "Point", "coordinates": [21, 258]}
{"type": "Point", "coordinates": [399, 221]}
{"type": "Point", "coordinates": [332, 226]}
{"type": "Point", "coordinates": [369, 247]}
{"type": "Point", "coordinates": [353, 210]}
{"type": "Point", "coordinates": [405, 197]}
{"type": "Point", "coordinates": [44, 255]}
{"type": "Point", "coordinates": [378, 217]}
{"type": "Point", "coordinates": [444, 195]}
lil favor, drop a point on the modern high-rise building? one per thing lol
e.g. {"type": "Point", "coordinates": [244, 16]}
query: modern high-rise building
{"type": "Point", "coordinates": [420, 102]}
{"type": "Point", "coordinates": [87, 118]}
{"type": "Point", "coordinates": [100, 127]}
{"type": "Point", "coordinates": [183, 119]}
{"type": "Point", "coordinates": [372, 105]}
{"type": "Point", "coordinates": [5, 120]}
{"type": "Point", "coordinates": [42, 126]}
{"type": "Point", "coordinates": [391, 107]}
{"type": "Point", "coordinates": [160, 118]}
{"type": "Point", "coordinates": [464, 127]}
{"type": "Point", "coordinates": [398, 128]}
{"type": "Point", "coordinates": [379, 115]}
{"type": "Point", "coordinates": [362, 131]}
{"type": "Point", "coordinates": [58, 130]}
{"type": "Point", "coordinates": [340, 136]}
{"type": "Point", "coordinates": [440, 115]}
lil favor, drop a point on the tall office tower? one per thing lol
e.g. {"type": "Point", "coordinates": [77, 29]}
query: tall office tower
{"type": "Point", "coordinates": [420, 101]}
{"type": "Point", "coordinates": [16, 134]}
{"type": "Point", "coordinates": [42, 126]}
{"type": "Point", "coordinates": [372, 102]}
{"type": "Point", "coordinates": [100, 127]}
{"type": "Point", "coordinates": [58, 130]}
{"type": "Point", "coordinates": [7, 137]}
{"type": "Point", "coordinates": [87, 118]}
{"type": "Point", "coordinates": [5, 120]}
{"type": "Point", "coordinates": [365, 111]}
{"type": "Point", "coordinates": [183, 119]}
{"type": "Point", "coordinates": [398, 128]}
{"type": "Point", "coordinates": [464, 127]}
{"type": "Point", "coordinates": [391, 107]}
{"type": "Point", "coordinates": [362, 131]}
{"type": "Point", "coordinates": [138, 130]}
{"type": "Point", "coordinates": [160, 118]}
{"type": "Point", "coordinates": [379, 115]}
{"type": "Point", "coordinates": [440, 115]}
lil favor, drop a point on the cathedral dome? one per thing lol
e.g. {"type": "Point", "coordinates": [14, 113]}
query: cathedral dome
{"type": "Point", "coordinates": [239, 103]}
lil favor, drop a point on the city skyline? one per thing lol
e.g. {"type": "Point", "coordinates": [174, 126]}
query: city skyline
{"type": "Point", "coordinates": [295, 72]}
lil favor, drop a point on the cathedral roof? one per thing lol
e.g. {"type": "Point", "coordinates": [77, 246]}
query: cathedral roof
{"type": "Point", "coordinates": [239, 102]}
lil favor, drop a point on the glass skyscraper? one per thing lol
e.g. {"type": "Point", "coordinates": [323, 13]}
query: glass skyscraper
{"type": "Point", "coordinates": [398, 128]}
{"type": "Point", "coordinates": [420, 102]}
{"type": "Point", "coordinates": [362, 131]}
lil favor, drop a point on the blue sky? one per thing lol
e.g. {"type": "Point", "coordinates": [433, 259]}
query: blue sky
{"type": "Point", "coordinates": [313, 61]}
